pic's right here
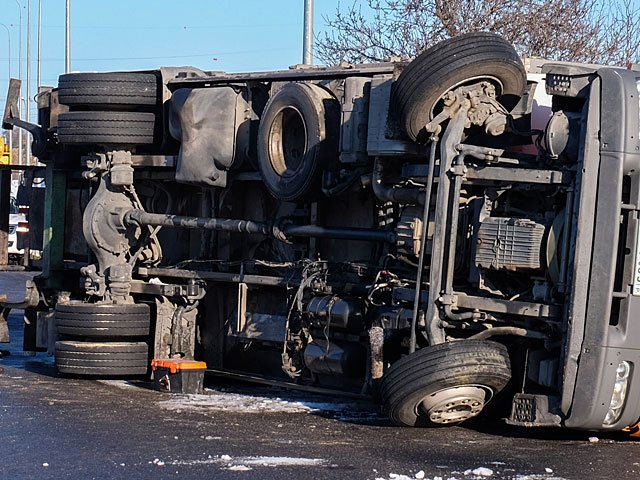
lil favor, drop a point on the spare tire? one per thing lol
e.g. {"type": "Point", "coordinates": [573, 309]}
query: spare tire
{"type": "Point", "coordinates": [297, 140]}
{"type": "Point", "coordinates": [102, 359]}
{"type": "Point", "coordinates": [457, 61]}
{"type": "Point", "coordinates": [108, 89]}
{"type": "Point", "coordinates": [121, 128]}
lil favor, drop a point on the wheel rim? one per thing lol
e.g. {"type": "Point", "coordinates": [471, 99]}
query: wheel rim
{"type": "Point", "coordinates": [454, 404]}
{"type": "Point", "coordinates": [287, 141]}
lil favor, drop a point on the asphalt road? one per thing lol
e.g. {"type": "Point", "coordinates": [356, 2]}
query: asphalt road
{"type": "Point", "coordinates": [53, 427]}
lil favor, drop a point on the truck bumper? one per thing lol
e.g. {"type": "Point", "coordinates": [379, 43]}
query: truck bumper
{"type": "Point", "coordinates": [594, 387]}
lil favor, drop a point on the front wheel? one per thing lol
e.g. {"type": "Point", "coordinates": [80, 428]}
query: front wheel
{"type": "Point", "coordinates": [463, 60]}
{"type": "Point", "coordinates": [444, 384]}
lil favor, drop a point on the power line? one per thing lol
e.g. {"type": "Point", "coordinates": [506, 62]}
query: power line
{"type": "Point", "coordinates": [201, 55]}
{"type": "Point", "coordinates": [174, 27]}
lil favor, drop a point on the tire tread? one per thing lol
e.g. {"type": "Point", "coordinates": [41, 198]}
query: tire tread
{"type": "Point", "coordinates": [101, 359]}
{"type": "Point", "coordinates": [108, 89]}
{"type": "Point", "coordinates": [135, 128]}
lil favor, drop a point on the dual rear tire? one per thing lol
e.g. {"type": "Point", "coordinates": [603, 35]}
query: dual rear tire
{"type": "Point", "coordinates": [106, 128]}
{"type": "Point", "coordinates": [102, 358]}
{"type": "Point", "coordinates": [102, 339]}
{"type": "Point", "coordinates": [108, 90]}
{"type": "Point", "coordinates": [116, 108]}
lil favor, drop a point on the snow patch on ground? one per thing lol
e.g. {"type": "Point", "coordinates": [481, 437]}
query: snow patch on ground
{"type": "Point", "coordinates": [282, 461]}
{"type": "Point", "coordinates": [233, 402]}
{"type": "Point", "coordinates": [204, 461]}
{"type": "Point", "coordinates": [478, 473]}
{"type": "Point", "coordinates": [266, 402]}
{"type": "Point", "coordinates": [419, 476]}
{"type": "Point", "coordinates": [537, 477]}
{"type": "Point", "coordinates": [248, 463]}
{"type": "Point", "coordinates": [121, 384]}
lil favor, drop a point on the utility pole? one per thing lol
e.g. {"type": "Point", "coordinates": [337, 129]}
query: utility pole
{"type": "Point", "coordinates": [19, 41]}
{"type": "Point", "coordinates": [39, 76]}
{"type": "Point", "coordinates": [9, 52]}
{"type": "Point", "coordinates": [28, 106]}
{"type": "Point", "coordinates": [67, 39]}
{"type": "Point", "coordinates": [307, 39]}
{"type": "Point", "coordinates": [20, 77]}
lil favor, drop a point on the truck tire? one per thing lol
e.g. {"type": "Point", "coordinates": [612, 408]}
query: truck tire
{"type": "Point", "coordinates": [119, 89]}
{"type": "Point", "coordinates": [460, 60]}
{"type": "Point", "coordinates": [102, 321]}
{"type": "Point", "coordinates": [102, 359]}
{"type": "Point", "coordinates": [121, 128]}
{"type": "Point", "coordinates": [297, 139]}
{"type": "Point", "coordinates": [444, 384]}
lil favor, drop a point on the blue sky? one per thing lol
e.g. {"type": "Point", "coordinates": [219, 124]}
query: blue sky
{"type": "Point", "coordinates": [241, 35]}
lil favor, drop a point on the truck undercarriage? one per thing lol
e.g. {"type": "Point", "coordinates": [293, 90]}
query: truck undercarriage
{"type": "Point", "coordinates": [400, 230]}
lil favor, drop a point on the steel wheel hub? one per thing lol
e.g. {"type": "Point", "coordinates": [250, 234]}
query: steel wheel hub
{"type": "Point", "coordinates": [455, 404]}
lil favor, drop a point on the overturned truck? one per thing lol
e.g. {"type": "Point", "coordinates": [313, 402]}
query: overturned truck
{"type": "Point", "coordinates": [399, 229]}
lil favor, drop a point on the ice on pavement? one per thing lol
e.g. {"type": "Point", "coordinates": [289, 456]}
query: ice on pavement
{"type": "Point", "coordinates": [282, 461]}
{"type": "Point", "coordinates": [121, 384]}
{"type": "Point", "coordinates": [234, 402]}
{"type": "Point", "coordinates": [266, 401]}
{"type": "Point", "coordinates": [248, 463]}
{"type": "Point", "coordinates": [479, 472]}
{"type": "Point", "coordinates": [419, 475]}
{"type": "Point", "coordinates": [537, 477]}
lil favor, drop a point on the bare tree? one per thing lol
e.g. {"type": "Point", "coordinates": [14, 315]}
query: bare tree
{"type": "Point", "coordinates": [573, 30]}
{"type": "Point", "coordinates": [624, 39]}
